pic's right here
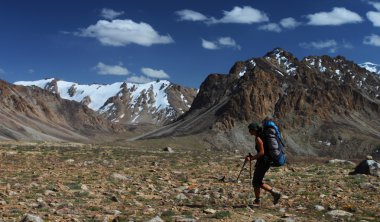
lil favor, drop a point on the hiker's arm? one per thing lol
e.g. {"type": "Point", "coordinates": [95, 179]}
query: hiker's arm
{"type": "Point", "coordinates": [261, 149]}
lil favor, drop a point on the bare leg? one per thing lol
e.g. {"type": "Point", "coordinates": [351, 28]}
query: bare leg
{"type": "Point", "coordinates": [257, 192]}
{"type": "Point", "coordinates": [266, 187]}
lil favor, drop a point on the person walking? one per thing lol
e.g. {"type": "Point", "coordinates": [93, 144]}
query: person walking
{"type": "Point", "coordinates": [263, 164]}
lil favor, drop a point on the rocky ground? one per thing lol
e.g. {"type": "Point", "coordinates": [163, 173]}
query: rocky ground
{"type": "Point", "coordinates": [145, 182]}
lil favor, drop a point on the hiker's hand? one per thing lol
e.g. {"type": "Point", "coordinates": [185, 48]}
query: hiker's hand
{"type": "Point", "coordinates": [249, 157]}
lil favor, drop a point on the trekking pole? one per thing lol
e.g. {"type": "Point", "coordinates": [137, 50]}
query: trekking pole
{"type": "Point", "coordinates": [242, 168]}
{"type": "Point", "coordinates": [250, 168]}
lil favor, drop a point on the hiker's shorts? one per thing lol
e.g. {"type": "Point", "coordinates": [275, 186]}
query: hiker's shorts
{"type": "Point", "coordinates": [262, 167]}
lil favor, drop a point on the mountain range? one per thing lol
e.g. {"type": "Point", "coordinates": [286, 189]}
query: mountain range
{"type": "Point", "coordinates": [158, 102]}
{"type": "Point", "coordinates": [324, 105]}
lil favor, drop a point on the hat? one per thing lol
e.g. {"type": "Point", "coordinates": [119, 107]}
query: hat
{"type": "Point", "coordinates": [254, 126]}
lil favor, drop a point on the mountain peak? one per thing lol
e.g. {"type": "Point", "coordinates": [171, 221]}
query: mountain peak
{"type": "Point", "coordinates": [279, 52]}
{"type": "Point", "coordinates": [284, 61]}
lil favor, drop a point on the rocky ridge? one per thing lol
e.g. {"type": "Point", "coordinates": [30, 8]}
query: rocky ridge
{"type": "Point", "coordinates": [318, 100]}
{"type": "Point", "coordinates": [30, 113]}
{"type": "Point", "coordinates": [158, 102]}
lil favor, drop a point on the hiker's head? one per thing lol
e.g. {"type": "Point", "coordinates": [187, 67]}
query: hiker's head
{"type": "Point", "coordinates": [254, 128]}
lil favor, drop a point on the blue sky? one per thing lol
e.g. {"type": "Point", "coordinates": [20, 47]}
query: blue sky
{"type": "Point", "coordinates": [98, 41]}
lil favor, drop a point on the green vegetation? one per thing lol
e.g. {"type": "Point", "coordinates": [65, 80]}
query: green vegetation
{"type": "Point", "coordinates": [222, 214]}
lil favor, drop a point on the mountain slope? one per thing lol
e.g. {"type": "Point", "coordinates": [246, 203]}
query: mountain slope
{"type": "Point", "coordinates": [30, 113]}
{"type": "Point", "coordinates": [318, 100]}
{"type": "Point", "coordinates": [157, 102]}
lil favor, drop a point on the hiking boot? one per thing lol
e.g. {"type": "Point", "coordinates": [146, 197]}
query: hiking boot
{"type": "Point", "coordinates": [255, 204]}
{"type": "Point", "coordinates": [276, 197]}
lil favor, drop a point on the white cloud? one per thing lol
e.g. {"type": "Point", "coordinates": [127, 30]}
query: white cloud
{"type": "Point", "coordinates": [347, 45]}
{"type": "Point", "coordinates": [159, 74]}
{"type": "Point", "coordinates": [110, 14]}
{"type": "Point", "coordinates": [139, 79]}
{"type": "Point", "coordinates": [190, 15]}
{"type": "Point", "coordinates": [124, 32]}
{"type": "Point", "coordinates": [240, 15]}
{"type": "Point", "coordinates": [338, 16]}
{"type": "Point", "coordinates": [272, 27]}
{"type": "Point", "coordinates": [104, 69]}
{"type": "Point", "coordinates": [209, 45]}
{"type": "Point", "coordinates": [331, 45]}
{"type": "Point", "coordinates": [31, 70]}
{"type": "Point", "coordinates": [372, 40]}
{"type": "Point", "coordinates": [228, 42]}
{"type": "Point", "coordinates": [244, 15]}
{"type": "Point", "coordinates": [289, 23]}
{"type": "Point", "coordinates": [376, 5]}
{"type": "Point", "coordinates": [374, 17]}
{"type": "Point", "coordinates": [222, 42]}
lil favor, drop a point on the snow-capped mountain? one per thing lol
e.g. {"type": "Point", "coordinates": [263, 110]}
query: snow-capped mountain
{"type": "Point", "coordinates": [371, 67]}
{"type": "Point", "coordinates": [156, 102]}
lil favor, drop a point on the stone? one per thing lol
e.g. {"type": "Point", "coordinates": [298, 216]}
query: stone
{"type": "Point", "coordinates": [118, 176]}
{"type": "Point", "coordinates": [339, 213]}
{"type": "Point", "coordinates": [368, 186]}
{"type": "Point", "coordinates": [287, 219]}
{"type": "Point", "coordinates": [209, 211]}
{"type": "Point", "coordinates": [181, 196]}
{"type": "Point", "coordinates": [49, 193]}
{"type": "Point", "coordinates": [156, 219]}
{"type": "Point", "coordinates": [70, 161]}
{"type": "Point", "coordinates": [169, 149]}
{"type": "Point", "coordinates": [319, 208]}
{"type": "Point", "coordinates": [344, 162]}
{"type": "Point", "coordinates": [369, 167]}
{"type": "Point", "coordinates": [84, 187]}
{"type": "Point", "coordinates": [31, 218]}
{"type": "Point", "coordinates": [181, 219]}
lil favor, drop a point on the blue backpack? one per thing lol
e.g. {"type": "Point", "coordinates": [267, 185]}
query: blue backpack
{"type": "Point", "coordinates": [273, 143]}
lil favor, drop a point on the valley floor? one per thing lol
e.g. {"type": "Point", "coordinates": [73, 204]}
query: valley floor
{"type": "Point", "coordinates": [134, 182]}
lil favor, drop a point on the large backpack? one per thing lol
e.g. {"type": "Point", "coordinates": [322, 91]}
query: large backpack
{"type": "Point", "coordinates": [273, 144]}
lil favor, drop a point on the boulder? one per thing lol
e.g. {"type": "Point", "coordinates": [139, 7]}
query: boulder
{"type": "Point", "coordinates": [169, 149]}
{"type": "Point", "coordinates": [369, 167]}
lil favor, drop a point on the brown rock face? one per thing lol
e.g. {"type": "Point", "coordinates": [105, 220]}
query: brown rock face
{"type": "Point", "coordinates": [31, 113]}
{"type": "Point", "coordinates": [305, 96]}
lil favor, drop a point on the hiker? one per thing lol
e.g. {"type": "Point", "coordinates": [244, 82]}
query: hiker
{"type": "Point", "coordinates": [263, 164]}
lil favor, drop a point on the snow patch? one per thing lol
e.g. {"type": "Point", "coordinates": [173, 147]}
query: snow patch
{"type": "Point", "coordinates": [372, 67]}
{"type": "Point", "coordinates": [243, 71]}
